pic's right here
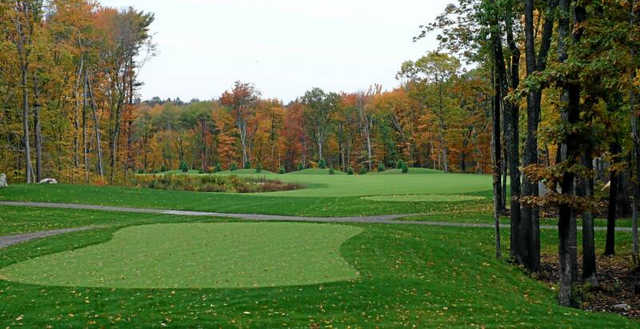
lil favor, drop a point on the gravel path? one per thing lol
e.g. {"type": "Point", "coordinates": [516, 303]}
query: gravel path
{"type": "Point", "coordinates": [383, 219]}
{"type": "Point", "coordinates": [6, 241]}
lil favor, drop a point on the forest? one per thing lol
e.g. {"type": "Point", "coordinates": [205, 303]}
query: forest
{"type": "Point", "coordinates": [543, 95]}
{"type": "Point", "coordinates": [71, 69]}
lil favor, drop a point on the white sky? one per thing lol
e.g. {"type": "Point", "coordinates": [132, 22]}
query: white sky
{"type": "Point", "coordinates": [285, 47]}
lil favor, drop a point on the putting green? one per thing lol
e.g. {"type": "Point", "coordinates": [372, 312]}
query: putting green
{"type": "Point", "coordinates": [226, 255]}
{"type": "Point", "coordinates": [423, 198]}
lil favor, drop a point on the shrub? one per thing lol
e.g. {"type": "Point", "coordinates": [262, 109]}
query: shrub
{"type": "Point", "coordinates": [350, 171]}
{"type": "Point", "coordinates": [259, 168]}
{"type": "Point", "coordinates": [184, 167]}
{"type": "Point", "coordinates": [140, 171]}
{"type": "Point", "coordinates": [322, 164]}
{"type": "Point", "coordinates": [163, 168]}
{"type": "Point", "coordinates": [381, 167]}
{"type": "Point", "coordinates": [218, 168]}
{"type": "Point", "coordinates": [405, 168]}
{"type": "Point", "coordinates": [399, 164]}
{"type": "Point", "coordinates": [363, 170]}
{"type": "Point", "coordinates": [210, 183]}
{"type": "Point", "coordinates": [282, 171]}
{"type": "Point", "coordinates": [247, 165]}
{"type": "Point", "coordinates": [300, 166]}
{"type": "Point", "coordinates": [233, 167]}
{"type": "Point", "coordinates": [331, 171]}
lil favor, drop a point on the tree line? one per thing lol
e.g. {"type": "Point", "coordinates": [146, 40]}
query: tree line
{"type": "Point", "coordinates": [565, 86]}
{"type": "Point", "coordinates": [362, 131]}
{"type": "Point", "coordinates": [68, 81]}
{"type": "Point", "coordinates": [70, 109]}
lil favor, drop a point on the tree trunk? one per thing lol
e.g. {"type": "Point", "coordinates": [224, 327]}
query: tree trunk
{"type": "Point", "coordinates": [588, 235]}
{"type": "Point", "coordinates": [566, 223]}
{"type": "Point", "coordinates": [85, 149]}
{"type": "Point", "coordinates": [495, 134]}
{"type": "Point", "coordinates": [23, 54]}
{"type": "Point", "coordinates": [569, 153]}
{"type": "Point", "coordinates": [96, 125]}
{"type": "Point", "coordinates": [610, 246]}
{"type": "Point", "coordinates": [633, 101]}
{"type": "Point", "coordinates": [512, 117]}
{"type": "Point", "coordinates": [496, 150]}
{"type": "Point", "coordinates": [529, 237]}
{"type": "Point", "coordinates": [25, 124]}
{"type": "Point", "coordinates": [37, 127]}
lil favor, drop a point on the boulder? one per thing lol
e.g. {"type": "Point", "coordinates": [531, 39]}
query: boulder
{"type": "Point", "coordinates": [622, 307]}
{"type": "Point", "coordinates": [3, 181]}
{"type": "Point", "coordinates": [49, 181]}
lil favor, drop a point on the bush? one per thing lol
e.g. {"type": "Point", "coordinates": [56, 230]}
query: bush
{"type": "Point", "coordinates": [184, 167]}
{"type": "Point", "coordinates": [350, 171]}
{"type": "Point", "coordinates": [381, 167]}
{"type": "Point", "coordinates": [282, 171]}
{"type": "Point", "coordinates": [247, 165]}
{"type": "Point", "coordinates": [405, 168]}
{"type": "Point", "coordinates": [218, 168]}
{"type": "Point", "coordinates": [140, 171]}
{"type": "Point", "coordinates": [163, 168]}
{"type": "Point", "coordinates": [322, 164]}
{"type": "Point", "coordinates": [259, 168]}
{"type": "Point", "coordinates": [399, 164]}
{"type": "Point", "coordinates": [211, 183]}
{"type": "Point", "coordinates": [363, 170]}
{"type": "Point", "coordinates": [300, 166]}
{"type": "Point", "coordinates": [233, 167]}
{"type": "Point", "coordinates": [331, 171]}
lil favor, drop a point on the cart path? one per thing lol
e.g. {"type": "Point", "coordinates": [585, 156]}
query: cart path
{"type": "Point", "coordinates": [382, 219]}
{"type": "Point", "coordinates": [6, 241]}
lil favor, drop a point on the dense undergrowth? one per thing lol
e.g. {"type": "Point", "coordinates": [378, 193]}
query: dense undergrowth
{"type": "Point", "coordinates": [211, 183]}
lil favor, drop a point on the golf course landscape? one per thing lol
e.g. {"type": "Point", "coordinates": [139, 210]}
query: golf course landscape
{"type": "Point", "coordinates": [360, 164]}
{"type": "Point", "coordinates": [130, 268]}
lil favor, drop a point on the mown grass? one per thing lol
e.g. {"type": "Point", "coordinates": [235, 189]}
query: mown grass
{"type": "Point", "coordinates": [319, 183]}
{"type": "Point", "coordinates": [410, 276]}
{"type": "Point", "coordinates": [220, 202]}
{"type": "Point", "coordinates": [199, 255]}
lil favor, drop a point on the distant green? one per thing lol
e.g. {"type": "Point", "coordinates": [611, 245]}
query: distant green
{"type": "Point", "coordinates": [423, 198]}
{"type": "Point", "coordinates": [323, 195]}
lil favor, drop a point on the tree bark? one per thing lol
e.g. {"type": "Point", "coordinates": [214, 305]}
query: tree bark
{"type": "Point", "coordinates": [512, 113]}
{"type": "Point", "coordinates": [530, 219]}
{"type": "Point", "coordinates": [569, 152]}
{"type": "Point", "coordinates": [633, 101]}
{"type": "Point", "coordinates": [85, 149]}
{"type": "Point", "coordinates": [566, 223]}
{"type": "Point", "coordinates": [496, 151]}
{"type": "Point", "coordinates": [37, 127]}
{"type": "Point", "coordinates": [589, 269]}
{"type": "Point", "coordinates": [96, 125]}
{"type": "Point", "coordinates": [610, 245]}
{"type": "Point", "coordinates": [495, 133]}
{"type": "Point", "coordinates": [23, 54]}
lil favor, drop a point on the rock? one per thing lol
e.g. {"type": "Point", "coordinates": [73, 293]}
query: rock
{"type": "Point", "coordinates": [3, 181]}
{"type": "Point", "coordinates": [49, 181]}
{"type": "Point", "coordinates": [622, 307]}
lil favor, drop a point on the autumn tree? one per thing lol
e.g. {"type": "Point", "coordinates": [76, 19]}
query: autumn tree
{"type": "Point", "coordinates": [242, 100]}
{"type": "Point", "coordinates": [320, 106]}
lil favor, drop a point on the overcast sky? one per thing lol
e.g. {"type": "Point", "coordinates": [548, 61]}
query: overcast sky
{"type": "Point", "coordinates": [285, 47]}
